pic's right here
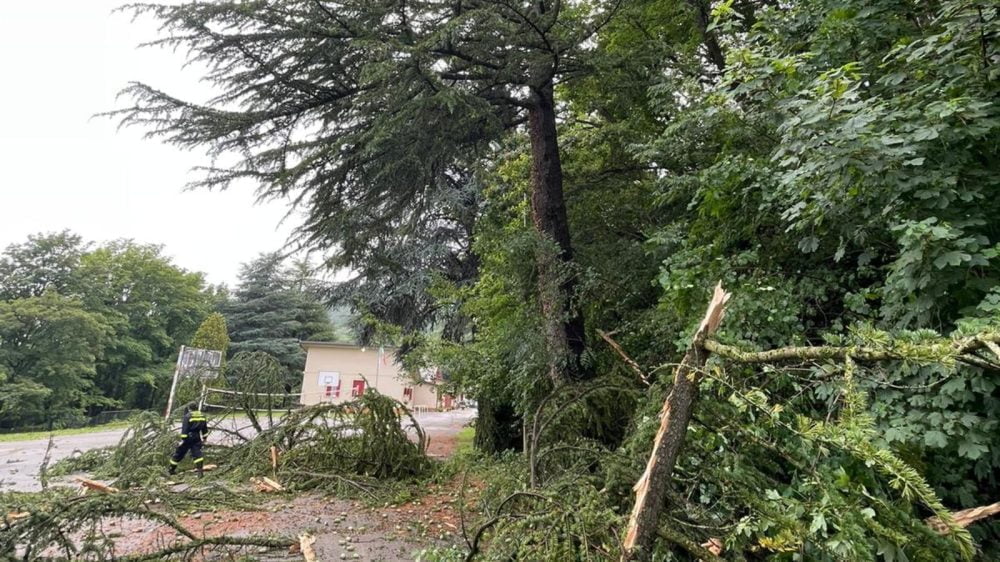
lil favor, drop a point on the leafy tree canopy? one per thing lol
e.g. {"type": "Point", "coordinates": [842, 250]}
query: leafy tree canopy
{"type": "Point", "coordinates": [50, 347]}
{"type": "Point", "coordinates": [144, 305]}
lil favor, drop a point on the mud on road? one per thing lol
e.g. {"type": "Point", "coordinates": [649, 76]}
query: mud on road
{"type": "Point", "coordinates": [344, 529]}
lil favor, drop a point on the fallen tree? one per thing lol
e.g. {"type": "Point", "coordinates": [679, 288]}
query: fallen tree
{"type": "Point", "coordinates": [355, 449]}
{"type": "Point", "coordinates": [60, 525]}
{"type": "Point", "coordinates": [853, 432]}
{"type": "Point", "coordinates": [674, 418]}
{"type": "Point", "coordinates": [362, 443]}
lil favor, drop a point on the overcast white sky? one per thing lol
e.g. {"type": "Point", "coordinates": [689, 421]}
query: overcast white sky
{"type": "Point", "coordinates": [64, 60]}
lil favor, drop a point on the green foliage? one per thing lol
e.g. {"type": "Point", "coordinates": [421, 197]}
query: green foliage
{"type": "Point", "coordinates": [440, 554]}
{"type": "Point", "coordinates": [839, 178]}
{"type": "Point", "coordinates": [571, 519]}
{"type": "Point", "coordinates": [259, 380]}
{"type": "Point", "coordinates": [834, 163]}
{"type": "Point", "coordinates": [46, 262]}
{"type": "Point", "coordinates": [358, 449]}
{"type": "Point", "coordinates": [49, 350]}
{"type": "Point", "coordinates": [212, 334]}
{"type": "Point", "coordinates": [426, 91]}
{"type": "Point", "coordinates": [142, 453]}
{"type": "Point", "coordinates": [61, 525]}
{"type": "Point", "coordinates": [88, 461]}
{"type": "Point", "coordinates": [363, 439]}
{"type": "Point", "coordinates": [153, 307]}
{"type": "Point", "coordinates": [133, 309]}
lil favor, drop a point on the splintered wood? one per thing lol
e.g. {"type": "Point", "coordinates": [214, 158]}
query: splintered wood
{"type": "Point", "coordinates": [14, 516]}
{"type": "Point", "coordinates": [713, 545]}
{"type": "Point", "coordinates": [964, 518]}
{"type": "Point", "coordinates": [306, 542]}
{"type": "Point", "coordinates": [96, 486]}
{"type": "Point", "coordinates": [265, 484]}
{"type": "Point", "coordinates": [674, 419]}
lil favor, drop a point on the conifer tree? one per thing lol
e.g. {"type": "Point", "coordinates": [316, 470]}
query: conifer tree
{"type": "Point", "coordinates": [212, 334]}
{"type": "Point", "coordinates": [269, 314]}
{"type": "Point", "coordinates": [363, 111]}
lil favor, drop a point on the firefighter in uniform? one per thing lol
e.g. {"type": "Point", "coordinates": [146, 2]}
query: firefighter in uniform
{"type": "Point", "coordinates": [194, 427]}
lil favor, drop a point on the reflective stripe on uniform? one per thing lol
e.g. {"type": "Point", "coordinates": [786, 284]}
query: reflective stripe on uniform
{"type": "Point", "coordinates": [198, 460]}
{"type": "Point", "coordinates": [184, 435]}
{"type": "Point", "coordinates": [173, 462]}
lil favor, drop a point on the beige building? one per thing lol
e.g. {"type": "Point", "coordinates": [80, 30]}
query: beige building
{"type": "Point", "coordinates": [337, 372]}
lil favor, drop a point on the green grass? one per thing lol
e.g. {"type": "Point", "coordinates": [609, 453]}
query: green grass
{"type": "Point", "coordinates": [464, 439]}
{"type": "Point", "coordinates": [33, 435]}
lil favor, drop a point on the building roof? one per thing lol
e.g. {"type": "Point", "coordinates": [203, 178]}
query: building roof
{"type": "Point", "coordinates": [306, 344]}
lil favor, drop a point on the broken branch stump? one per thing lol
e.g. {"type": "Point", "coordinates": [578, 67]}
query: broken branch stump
{"type": "Point", "coordinates": [89, 484]}
{"type": "Point", "coordinates": [964, 518]}
{"type": "Point", "coordinates": [306, 542]}
{"type": "Point", "coordinates": [674, 419]}
{"type": "Point", "coordinates": [265, 484]}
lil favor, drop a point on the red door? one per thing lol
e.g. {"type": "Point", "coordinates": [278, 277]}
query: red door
{"type": "Point", "coordinates": [358, 388]}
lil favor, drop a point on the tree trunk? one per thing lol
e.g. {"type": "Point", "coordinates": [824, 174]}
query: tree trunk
{"type": "Point", "coordinates": [703, 17]}
{"type": "Point", "coordinates": [498, 427]}
{"type": "Point", "coordinates": [564, 327]}
{"type": "Point", "coordinates": [675, 416]}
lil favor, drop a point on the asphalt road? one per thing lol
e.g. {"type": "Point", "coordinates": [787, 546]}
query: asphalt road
{"type": "Point", "coordinates": [20, 460]}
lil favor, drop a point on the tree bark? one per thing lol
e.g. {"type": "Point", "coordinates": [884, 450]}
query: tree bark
{"type": "Point", "coordinates": [675, 416]}
{"type": "Point", "coordinates": [703, 17]}
{"type": "Point", "coordinates": [498, 427]}
{"type": "Point", "coordinates": [564, 327]}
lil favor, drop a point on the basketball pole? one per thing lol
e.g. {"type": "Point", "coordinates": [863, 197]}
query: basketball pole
{"type": "Point", "coordinates": [173, 385]}
{"type": "Point", "coordinates": [201, 397]}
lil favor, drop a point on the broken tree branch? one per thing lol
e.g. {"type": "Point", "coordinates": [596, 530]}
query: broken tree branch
{"type": "Point", "coordinates": [964, 518]}
{"type": "Point", "coordinates": [363, 488]}
{"type": "Point", "coordinates": [674, 419]}
{"type": "Point", "coordinates": [945, 349]}
{"type": "Point", "coordinates": [621, 353]}
{"type": "Point", "coordinates": [209, 541]}
{"type": "Point", "coordinates": [474, 547]}
{"type": "Point", "coordinates": [265, 484]}
{"type": "Point", "coordinates": [95, 485]}
{"type": "Point", "coordinates": [700, 551]}
{"type": "Point", "coordinates": [306, 542]}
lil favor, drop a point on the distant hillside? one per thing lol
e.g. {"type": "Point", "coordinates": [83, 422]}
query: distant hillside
{"type": "Point", "coordinates": [341, 317]}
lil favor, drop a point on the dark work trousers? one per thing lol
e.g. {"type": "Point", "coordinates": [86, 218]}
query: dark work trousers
{"type": "Point", "coordinates": [189, 444]}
